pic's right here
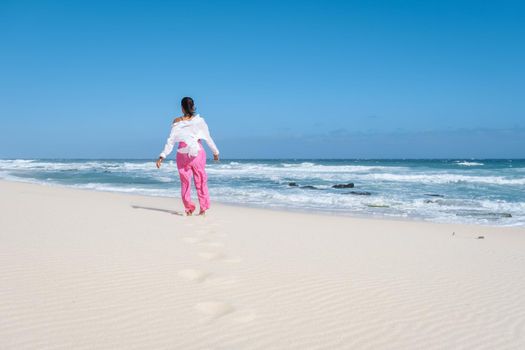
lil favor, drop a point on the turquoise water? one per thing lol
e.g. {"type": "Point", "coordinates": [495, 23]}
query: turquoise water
{"type": "Point", "coordinates": [468, 191]}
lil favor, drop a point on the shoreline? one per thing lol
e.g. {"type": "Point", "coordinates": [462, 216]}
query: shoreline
{"type": "Point", "coordinates": [272, 209]}
{"type": "Point", "coordinates": [91, 269]}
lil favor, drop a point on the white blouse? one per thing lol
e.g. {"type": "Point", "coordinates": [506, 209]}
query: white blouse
{"type": "Point", "coordinates": [189, 131]}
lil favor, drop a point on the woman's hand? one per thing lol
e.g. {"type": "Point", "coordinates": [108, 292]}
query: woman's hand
{"type": "Point", "coordinates": [216, 157]}
{"type": "Point", "coordinates": [159, 162]}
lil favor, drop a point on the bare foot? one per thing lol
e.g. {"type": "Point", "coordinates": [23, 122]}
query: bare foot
{"type": "Point", "coordinates": [202, 213]}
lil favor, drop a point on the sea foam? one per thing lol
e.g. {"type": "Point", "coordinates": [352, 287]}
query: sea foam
{"type": "Point", "coordinates": [394, 188]}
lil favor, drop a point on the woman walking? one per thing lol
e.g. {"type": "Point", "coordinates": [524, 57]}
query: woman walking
{"type": "Point", "coordinates": [188, 131]}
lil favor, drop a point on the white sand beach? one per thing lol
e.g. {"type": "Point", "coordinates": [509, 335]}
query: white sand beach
{"type": "Point", "coordinates": [97, 270]}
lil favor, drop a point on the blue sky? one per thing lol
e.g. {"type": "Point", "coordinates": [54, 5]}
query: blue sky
{"type": "Point", "coordinates": [274, 79]}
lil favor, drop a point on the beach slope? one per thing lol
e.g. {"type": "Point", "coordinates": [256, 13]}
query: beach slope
{"type": "Point", "coordinates": [97, 270]}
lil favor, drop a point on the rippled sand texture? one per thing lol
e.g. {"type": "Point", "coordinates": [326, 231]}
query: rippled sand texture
{"type": "Point", "coordinates": [95, 270]}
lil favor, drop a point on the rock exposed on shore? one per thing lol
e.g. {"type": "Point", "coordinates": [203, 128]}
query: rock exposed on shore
{"type": "Point", "coordinates": [488, 215]}
{"type": "Point", "coordinates": [348, 185]}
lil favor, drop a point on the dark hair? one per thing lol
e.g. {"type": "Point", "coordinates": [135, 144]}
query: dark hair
{"type": "Point", "coordinates": [188, 106]}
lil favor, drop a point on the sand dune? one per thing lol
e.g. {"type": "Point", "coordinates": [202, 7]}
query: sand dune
{"type": "Point", "coordinates": [96, 270]}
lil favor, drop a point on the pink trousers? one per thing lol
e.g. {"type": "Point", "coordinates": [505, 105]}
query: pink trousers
{"type": "Point", "coordinates": [193, 167]}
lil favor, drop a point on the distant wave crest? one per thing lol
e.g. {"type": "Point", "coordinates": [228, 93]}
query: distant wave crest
{"type": "Point", "coordinates": [465, 163]}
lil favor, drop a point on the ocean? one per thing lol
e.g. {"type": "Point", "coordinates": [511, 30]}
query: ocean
{"type": "Point", "coordinates": [490, 192]}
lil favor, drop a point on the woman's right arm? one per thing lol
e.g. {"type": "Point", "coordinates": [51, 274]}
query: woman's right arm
{"type": "Point", "coordinates": [170, 142]}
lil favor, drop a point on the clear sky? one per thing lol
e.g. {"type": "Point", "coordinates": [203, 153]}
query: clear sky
{"type": "Point", "coordinates": [274, 79]}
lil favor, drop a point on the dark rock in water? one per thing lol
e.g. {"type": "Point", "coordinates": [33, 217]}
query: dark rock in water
{"type": "Point", "coordinates": [359, 193]}
{"type": "Point", "coordinates": [307, 187]}
{"type": "Point", "coordinates": [429, 201]}
{"type": "Point", "coordinates": [434, 195]}
{"type": "Point", "coordinates": [348, 185]}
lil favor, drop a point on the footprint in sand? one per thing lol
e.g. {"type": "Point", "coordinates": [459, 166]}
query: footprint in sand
{"type": "Point", "coordinates": [192, 240]}
{"type": "Point", "coordinates": [244, 316]}
{"type": "Point", "coordinates": [205, 232]}
{"type": "Point", "coordinates": [208, 233]}
{"type": "Point", "coordinates": [212, 256]}
{"type": "Point", "coordinates": [203, 241]}
{"type": "Point", "coordinates": [214, 244]}
{"type": "Point", "coordinates": [219, 256]}
{"type": "Point", "coordinates": [214, 309]}
{"type": "Point", "coordinates": [232, 260]}
{"type": "Point", "coordinates": [194, 275]}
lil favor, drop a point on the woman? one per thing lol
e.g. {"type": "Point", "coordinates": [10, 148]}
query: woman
{"type": "Point", "coordinates": [189, 130]}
